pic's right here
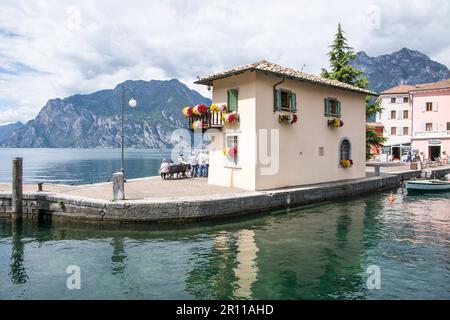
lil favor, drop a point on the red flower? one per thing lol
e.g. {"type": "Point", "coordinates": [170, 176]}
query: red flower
{"type": "Point", "coordinates": [200, 109]}
{"type": "Point", "coordinates": [294, 119]}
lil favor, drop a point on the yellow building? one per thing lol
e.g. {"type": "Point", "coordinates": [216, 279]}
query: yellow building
{"type": "Point", "coordinates": [290, 128]}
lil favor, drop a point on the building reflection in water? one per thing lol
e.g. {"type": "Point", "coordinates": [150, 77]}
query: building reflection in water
{"type": "Point", "coordinates": [119, 260]}
{"type": "Point", "coordinates": [246, 270]}
{"type": "Point", "coordinates": [313, 254]}
{"type": "Point", "coordinates": [17, 273]}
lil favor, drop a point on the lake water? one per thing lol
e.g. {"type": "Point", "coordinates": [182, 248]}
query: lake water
{"type": "Point", "coordinates": [79, 166]}
{"type": "Point", "coordinates": [318, 252]}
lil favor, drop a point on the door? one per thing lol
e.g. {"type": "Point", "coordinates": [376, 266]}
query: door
{"type": "Point", "coordinates": [434, 152]}
{"type": "Point", "coordinates": [396, 153]}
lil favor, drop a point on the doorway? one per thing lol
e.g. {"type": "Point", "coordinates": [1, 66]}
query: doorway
{"type": "Point", "coordinates": [434, 152]}
{"type": "Point", "coordinates": [395, 153]}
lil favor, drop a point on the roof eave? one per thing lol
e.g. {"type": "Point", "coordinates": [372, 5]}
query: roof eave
{"type": "Point", "coordinates": [209, 81]}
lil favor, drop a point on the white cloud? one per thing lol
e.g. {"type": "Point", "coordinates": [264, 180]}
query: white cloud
{"type": "Point", "coordinates": [92, 45]}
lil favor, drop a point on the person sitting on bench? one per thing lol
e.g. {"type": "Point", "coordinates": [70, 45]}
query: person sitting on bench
{"type": "Point", "coordinates": [164, 169]}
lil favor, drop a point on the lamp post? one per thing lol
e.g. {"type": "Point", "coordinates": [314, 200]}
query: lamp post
{"type": "Point", "coordinates": [132, 103]}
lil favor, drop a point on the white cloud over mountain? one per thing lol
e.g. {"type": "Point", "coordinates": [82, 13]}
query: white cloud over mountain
{"type": "Point", "coordinates": [59, 48]}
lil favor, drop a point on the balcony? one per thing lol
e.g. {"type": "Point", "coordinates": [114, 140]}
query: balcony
{"type": "Point", "coordinates": [432, 134]}
{"type": "Point", "coordinates": [210, 119]}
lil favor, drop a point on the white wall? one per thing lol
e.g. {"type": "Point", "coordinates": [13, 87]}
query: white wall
{"type": "Point", "coordinates": [299, 160]}
{"type": "Point", "coordinates": [398, 122]}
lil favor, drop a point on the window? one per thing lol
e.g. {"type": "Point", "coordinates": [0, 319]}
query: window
{"type": "Point", "coordinates": [448, 126]}
{"type": "Point", "coordinates": [393, 100]}
{"type": "Point", "coordinates": [405, 99]}
{"type": "Point", "coordinates": [232, 100]}
{"type": "Point", "coordinates": [232, 155]}
{"type": "Point", "coordinates": [405, 114]}
{"type": "Point", "coordinates": [344, 150]}
{"type": "Point", "coordinates": [393, 114]}
{"type": "Point", "coordinates": [428, 127]}
{"type": "Point", "coordinates": [332, 108]}
{"type": "Point", "coordinates": [429, 106]}
{"type": "Point", "coordinates": [405, 131]}
{"type": "Point", "coordinates": [393, 131]}
{"type": "Point", "coordinates": [321, 151]}
{"type": "Point", "coordinates": [285, 100]}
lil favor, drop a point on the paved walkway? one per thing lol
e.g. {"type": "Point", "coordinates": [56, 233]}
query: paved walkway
{"type": "Point", "coordinates": [396, 167]}
{"type": "Point", "coordinates": [145, 188]}
{"type": "Point", "coordinates": [156, 188]}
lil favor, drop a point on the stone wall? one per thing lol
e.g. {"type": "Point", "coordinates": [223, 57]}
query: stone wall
{"type": "Point", "coordinates": [41, 204]}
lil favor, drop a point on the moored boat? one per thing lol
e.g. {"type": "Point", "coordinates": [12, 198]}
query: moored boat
{"type": "Point", "coordinates": [427, 185]}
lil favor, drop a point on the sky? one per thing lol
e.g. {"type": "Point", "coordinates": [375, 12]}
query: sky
{"type": "Point", "coordinates": [58, 48]}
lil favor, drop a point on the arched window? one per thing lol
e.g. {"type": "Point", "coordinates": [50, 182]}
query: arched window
{"type": "Point", "coordinates": [345, 150]}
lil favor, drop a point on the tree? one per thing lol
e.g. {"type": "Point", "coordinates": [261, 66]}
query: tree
{"type": "Point", "coordinates": [372, 140]}
{"type": "Point", "coordinates": [341, 56]}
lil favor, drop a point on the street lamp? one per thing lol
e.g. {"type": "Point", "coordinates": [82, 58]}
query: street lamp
{"type": "Point", "coordinates": [132, 103]}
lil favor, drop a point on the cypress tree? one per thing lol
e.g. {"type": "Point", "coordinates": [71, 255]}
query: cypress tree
{"type": "Point", "coordinates": [341, 56]}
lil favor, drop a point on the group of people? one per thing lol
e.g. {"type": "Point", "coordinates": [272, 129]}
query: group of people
{"type": "Point", "coordinates": [197, 164]}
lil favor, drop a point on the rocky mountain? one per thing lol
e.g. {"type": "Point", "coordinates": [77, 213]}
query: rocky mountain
{"type": "Point", "coordinates": [6, 130]}
{"type": "Point", "coordinates": [93, 120]}
{"type": "Point", "coordinates": [402, 67]}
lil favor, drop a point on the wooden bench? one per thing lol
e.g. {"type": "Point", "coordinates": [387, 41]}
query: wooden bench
{"type": "Point", "coordinates": [175, 171]}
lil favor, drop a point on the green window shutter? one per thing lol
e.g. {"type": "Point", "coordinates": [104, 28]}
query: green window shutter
{"type": "Point", "coordinates": [232, 100]}
{"type": "Point", "coordinates": [277, 100]}
{"type": "Point", "coordinates": [339, 109]}
{"type": "Point", "coordinates": [327, 106]}
{"type": "Point", "coordinates": [293, 102]}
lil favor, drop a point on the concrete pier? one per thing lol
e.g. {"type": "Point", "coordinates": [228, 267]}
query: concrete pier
{"type": "Point", "coordinates": [156, 200]}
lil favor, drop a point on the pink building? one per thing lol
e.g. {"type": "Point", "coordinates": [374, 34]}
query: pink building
{"type": "Point", "coordinates": [431, 119]}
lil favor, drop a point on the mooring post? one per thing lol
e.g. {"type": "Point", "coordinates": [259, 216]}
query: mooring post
{"type": "Point", "coordinates": [377, 170]}
{"type": "Point", "coordinates": [17, 189]}
{"type": "Point", "coordinates": [118, 186]}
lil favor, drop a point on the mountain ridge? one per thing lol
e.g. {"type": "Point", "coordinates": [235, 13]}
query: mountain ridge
{"type": "Point", "coordinates": [93, 120]}
{"type": "Point", "coordinates": [404, 66]}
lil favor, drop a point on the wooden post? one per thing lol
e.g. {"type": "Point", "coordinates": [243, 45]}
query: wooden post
{"type": "Point", "coordinates": [17, 189]}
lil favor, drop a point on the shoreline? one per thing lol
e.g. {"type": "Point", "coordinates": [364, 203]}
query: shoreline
{"type": "Point", "coordinates": [50, 205]}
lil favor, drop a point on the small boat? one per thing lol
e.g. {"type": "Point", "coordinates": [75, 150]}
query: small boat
{"type": "Point", "coordinates": [427, 185]}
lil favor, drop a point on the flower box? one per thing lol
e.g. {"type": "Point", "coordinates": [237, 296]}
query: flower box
{"type": "Point", "coordinates": [287, 118]}
{"type": "Point", "coordinates": [230, 117]}
{"type": "Point", "coordinates": [346, 163]}
{"type": "Point", "coordinates": [335, 123]}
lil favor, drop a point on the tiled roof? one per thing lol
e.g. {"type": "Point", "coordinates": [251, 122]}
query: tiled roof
{"type": "Point", "coordinates": [276, 69]}
{"type": "Point", "coordinates": [444, 84]}
{"type": "Point", "coordinates": [398, 89]}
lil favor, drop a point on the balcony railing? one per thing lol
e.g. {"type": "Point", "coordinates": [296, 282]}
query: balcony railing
{"type": "Point", "coordinates": [432, 134]}
{"type": "Point", "coordinates": [210, 120]}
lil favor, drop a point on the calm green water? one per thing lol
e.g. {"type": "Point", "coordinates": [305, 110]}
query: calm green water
{"type": "Point", "coordinates": [79, 166]}
{"type": "Point", "coordinates": [318, 252]}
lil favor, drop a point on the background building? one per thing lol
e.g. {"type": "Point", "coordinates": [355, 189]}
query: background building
{"type": "Point", "coordinates": [431, 120]}
{"type": "Point", "coordinates": [417, 117]}
{"type": "Point", "coordinates": [397, 121]}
